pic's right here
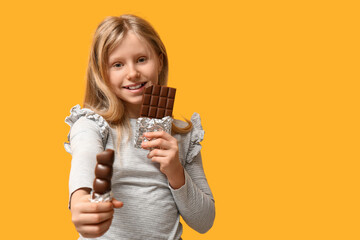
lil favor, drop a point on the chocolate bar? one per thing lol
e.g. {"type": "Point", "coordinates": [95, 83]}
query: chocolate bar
{"type": "Point", "coordinates": [158, 102]}
{"type": "Point", "coordinates": [103, 172]}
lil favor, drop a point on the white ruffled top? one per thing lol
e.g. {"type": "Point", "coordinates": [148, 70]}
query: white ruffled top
{"type": "Point", "coordinates": [152, 208]}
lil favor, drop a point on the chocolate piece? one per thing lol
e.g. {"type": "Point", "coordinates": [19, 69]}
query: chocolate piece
{"type": "Point", "coordinates": [158, 102]}
{"type": "Point", "coordinates": [103, 172]}
{"type": "Point", "coordinates": [106, 157]}
{"type": "Point", "coordinates": [101, 186]}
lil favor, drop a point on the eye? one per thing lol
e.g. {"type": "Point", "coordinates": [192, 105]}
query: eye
{"type": "Point", "coordinates": [142, 59]}
{"type": "Point", "coordinates": [117, 65]}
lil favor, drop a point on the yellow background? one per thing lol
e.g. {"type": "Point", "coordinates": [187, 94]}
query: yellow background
{"type": "Point", "coordinates": [275, 82]}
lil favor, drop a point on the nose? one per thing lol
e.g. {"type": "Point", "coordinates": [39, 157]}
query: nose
{"type": "Point", "coordinates": [133, 74]}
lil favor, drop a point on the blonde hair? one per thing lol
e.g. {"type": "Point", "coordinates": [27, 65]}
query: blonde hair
{"type": "Point", "coordinates": [98, 95]}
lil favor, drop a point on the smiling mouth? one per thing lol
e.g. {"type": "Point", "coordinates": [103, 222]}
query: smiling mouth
{"type": "Point", "coordinates": [134, 87]}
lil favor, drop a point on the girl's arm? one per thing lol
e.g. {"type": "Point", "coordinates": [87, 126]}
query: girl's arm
{"type": "Point", "coordinates": [189, 186]}
{"type": "Point", "coordinates": [195, 200]}
{"type": "Point", "coordinates": [90, 219]}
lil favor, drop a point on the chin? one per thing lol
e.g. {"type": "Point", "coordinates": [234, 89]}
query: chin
{"type": "Point", "coordinates": [132, 103]}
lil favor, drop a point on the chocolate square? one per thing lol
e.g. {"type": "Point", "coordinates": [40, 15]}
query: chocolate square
{"type": "Point", "coordinates": [162, 102]}
{"type": "Point", "coordinates": [154, 100]}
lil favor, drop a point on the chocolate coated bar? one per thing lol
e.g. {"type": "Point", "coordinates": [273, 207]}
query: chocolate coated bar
{"type": "Point", "coordinates": [103, 172]}
{"type": "Point", "coordinates": [158, 102]}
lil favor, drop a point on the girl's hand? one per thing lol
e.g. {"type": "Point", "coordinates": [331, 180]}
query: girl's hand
{"type": "Point", "coordinates": [91, 219]}
{"type": "Point", "coordinates": [166, 153]}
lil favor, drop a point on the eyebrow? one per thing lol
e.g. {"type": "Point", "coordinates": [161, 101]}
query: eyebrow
{"type": "Point", "coordinates": [117, 58]}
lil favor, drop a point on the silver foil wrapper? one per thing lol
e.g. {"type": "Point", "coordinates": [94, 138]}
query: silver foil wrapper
{"type": "Point", "coordinates": [106, 197]}
{"type": "Point", "coordinates": [144, 124]}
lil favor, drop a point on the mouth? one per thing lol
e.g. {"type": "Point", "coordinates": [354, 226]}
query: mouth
{"type": "Point", "coordinates": [135, 86]}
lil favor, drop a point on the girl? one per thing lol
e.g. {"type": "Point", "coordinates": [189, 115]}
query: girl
{"type": "Point", "coordinates": [155, 187]}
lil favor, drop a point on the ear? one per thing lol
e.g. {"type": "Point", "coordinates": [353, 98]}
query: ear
{"type": "Point", "coordinates": [161, 61]}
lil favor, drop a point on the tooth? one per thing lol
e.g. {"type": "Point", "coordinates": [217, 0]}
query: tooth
{"type": "Point", "coordinates": [135, 87]}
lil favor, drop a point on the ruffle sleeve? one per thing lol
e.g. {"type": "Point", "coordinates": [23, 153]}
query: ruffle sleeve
{"type": "Point", "coordinates": [76, 113]}
{"type": "Point", "coordinates": [196, 136]}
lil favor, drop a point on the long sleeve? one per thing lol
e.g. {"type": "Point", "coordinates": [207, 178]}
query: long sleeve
{"type": "Point", "coordinates": [85, 142]}
{"type": "Point", "coordinates": [87, 137]}
{"type": "Point", "coordinates": [194, 200]}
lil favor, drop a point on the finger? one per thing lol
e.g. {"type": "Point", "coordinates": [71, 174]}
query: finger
{"type": "Point", "coordinates": [117, 203]}
{"type": "Point", "coordinates": [95, 230]}
{"type": "Point", "coordinates": [158, 159]}
{"type": "Point", "coordinates": [158, 153]}
{"type": "Point", "coordinates": [157, 143]}
{"type": "Point", "coordinates": [93, 207]}
{"type": "Point", "coordinates": [95, 218]}
{"type": "Point", "coordinates": [159, 134]}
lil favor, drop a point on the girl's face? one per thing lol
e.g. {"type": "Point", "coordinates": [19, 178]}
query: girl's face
{"type": "Point", "coordinates": [133, 65]}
